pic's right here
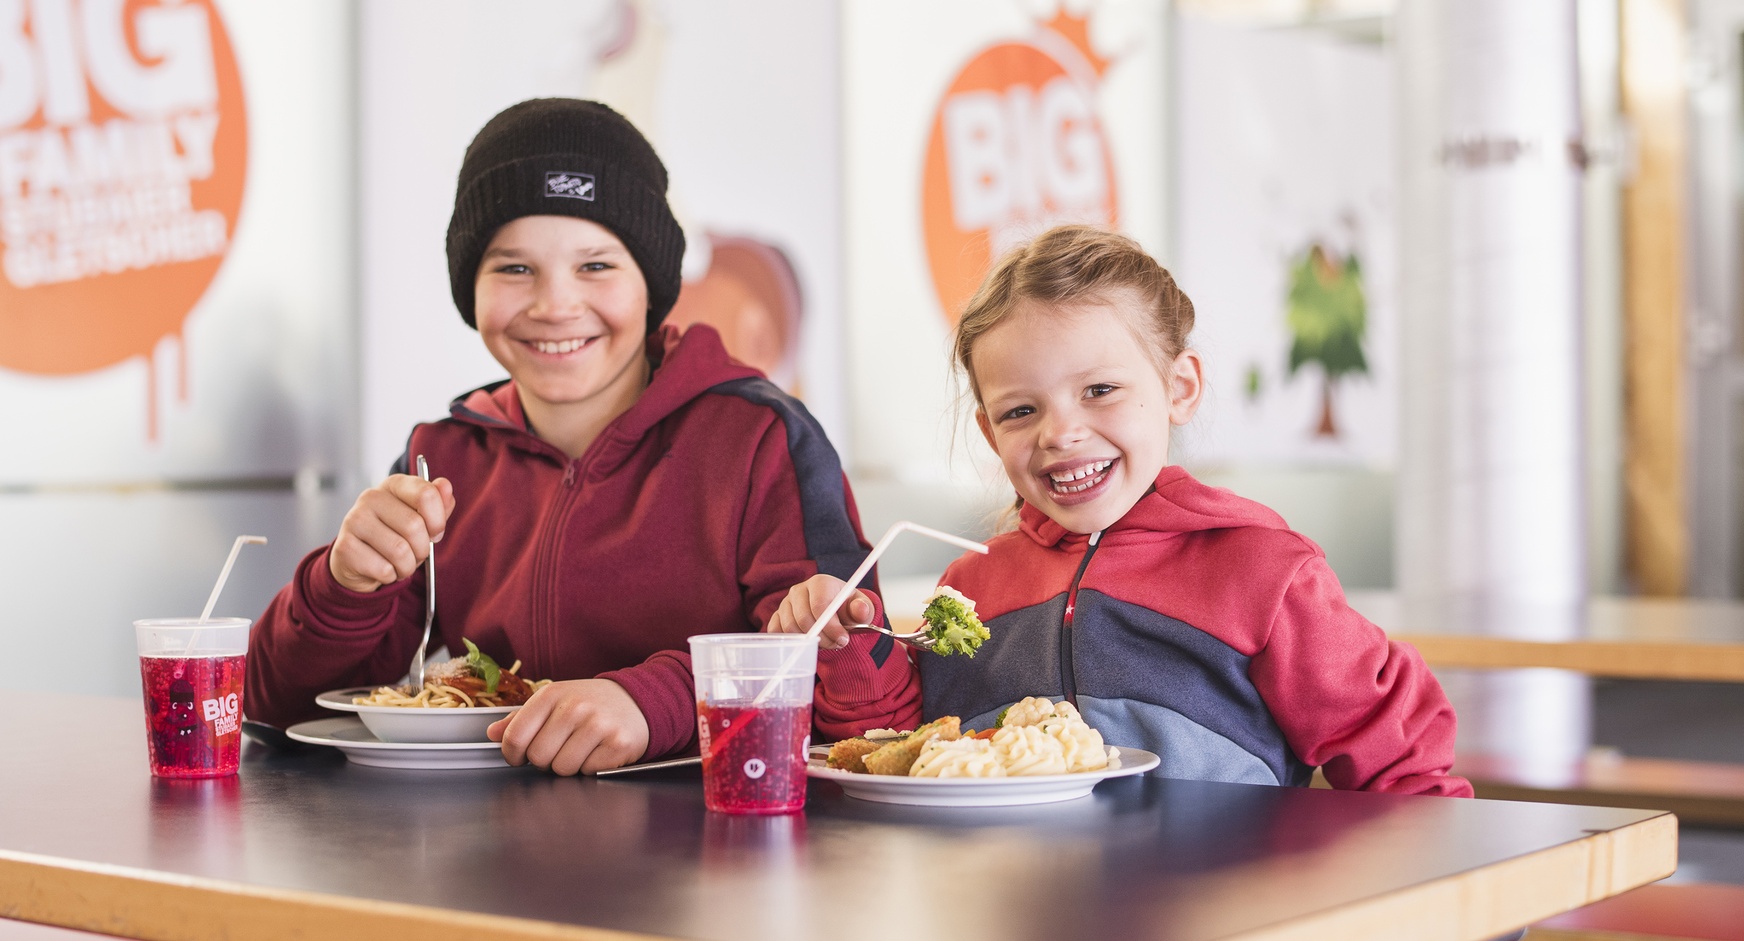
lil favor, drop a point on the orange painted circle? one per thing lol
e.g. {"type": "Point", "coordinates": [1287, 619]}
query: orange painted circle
{"type": "Point", "coordinates": [1007, 81]}
{"type": "Point", "coordinates": [111, 235]}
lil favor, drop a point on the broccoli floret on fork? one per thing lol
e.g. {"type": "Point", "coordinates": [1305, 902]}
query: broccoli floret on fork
{"type": "Point", "coordinates": [951, 623]}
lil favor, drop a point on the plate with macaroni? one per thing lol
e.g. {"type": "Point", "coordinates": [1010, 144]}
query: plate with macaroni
{"type": "Point", "coordinates": [1040, 752]}
{"type": "Point", "coordinates": [979, 792]}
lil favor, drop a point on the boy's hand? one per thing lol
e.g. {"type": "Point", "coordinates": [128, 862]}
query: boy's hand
{"type": "Point", "coordinates": [389, 530]}
{"type": "Point", "coordinates": [808, 599]}
{"type": "Point", "coordinates": [574, 725]}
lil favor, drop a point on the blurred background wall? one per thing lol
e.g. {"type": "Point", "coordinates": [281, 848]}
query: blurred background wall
{"type": "Point", "coordinates": [178, 313]}
{"type": "Point", "coordinates": [843, 170]}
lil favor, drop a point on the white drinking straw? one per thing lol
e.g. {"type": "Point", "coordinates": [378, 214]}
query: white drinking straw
{"type": "Point", "coordinates": [872, 557]}
{"type": "Point", "coordinates": [847, 591]}
{"type": "Point", "coordinates": [223, 574]}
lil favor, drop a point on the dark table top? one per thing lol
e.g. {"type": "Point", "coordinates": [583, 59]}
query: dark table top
{"type": "Point", "coordinates": [89, 839]}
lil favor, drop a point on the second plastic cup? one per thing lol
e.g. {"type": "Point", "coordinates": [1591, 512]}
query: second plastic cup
{"type": "Point", "coordinates": [753, 753]}
{"type": "Point", "coordinates": [192, 673]}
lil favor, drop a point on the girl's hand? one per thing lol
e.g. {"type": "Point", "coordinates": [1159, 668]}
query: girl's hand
{"type": "Point", "coordinates": [389, 530]}
{"type": "Point", "coordinates": [574, 725]}
{"type": "Point", "coordinates": [808, 599]}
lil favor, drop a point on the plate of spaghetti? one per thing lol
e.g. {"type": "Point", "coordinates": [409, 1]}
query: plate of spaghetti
{"type": "Point", "coordinates": [459, 700]}
{"type": "Point", "coordinates": [349, 736]}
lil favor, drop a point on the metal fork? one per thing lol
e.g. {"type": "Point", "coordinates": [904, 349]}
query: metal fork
{"type": "Point", "coordinates": [917, 639]}
{"type": "Point", "coordinates": [415, 676]}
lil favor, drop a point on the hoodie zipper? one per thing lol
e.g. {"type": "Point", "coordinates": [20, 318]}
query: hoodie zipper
{"type": "Point", "coordinates": [1069, 678]}
{"type": "Point", "coordinates": [545, 613]}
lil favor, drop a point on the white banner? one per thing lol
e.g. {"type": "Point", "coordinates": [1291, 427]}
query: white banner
{"type": "Point", "coordinates": [994, 121]}
{"type": "Point", "coordinates": [1287, 241]}
{"type": "Point", "coordinates": [174, 190]}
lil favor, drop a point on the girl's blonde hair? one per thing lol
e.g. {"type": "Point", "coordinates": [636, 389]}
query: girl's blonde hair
{"type": "Point", "coordinates": [1077, 264]}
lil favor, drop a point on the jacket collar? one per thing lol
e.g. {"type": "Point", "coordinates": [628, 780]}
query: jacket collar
{"type": "Point", "coordinates": [686, 364]}
{"type": "Point", "coordinates": [1176, 503]}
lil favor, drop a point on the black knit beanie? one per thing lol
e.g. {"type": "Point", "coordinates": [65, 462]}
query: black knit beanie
{"type": "Point", "coordinates": [565, 157]}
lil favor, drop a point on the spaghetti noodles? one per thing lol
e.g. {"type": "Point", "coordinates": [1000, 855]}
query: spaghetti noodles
{"type": "Point", "coordinates": [453, 685]}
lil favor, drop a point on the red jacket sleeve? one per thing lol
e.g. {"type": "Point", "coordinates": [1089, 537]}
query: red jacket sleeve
{"type": "Point", "coordinates": [318, 635]}
{"type": "Point", "coordinates": [1365, 710]}
{"type": "Point", "coordinates": [786, 537]}
{"type": "Point", "coordinates": [857, 691]}
{"type": "Point", "coordinates": [785, 540]}
{"type": "Point", "coordinates": [665, 690]}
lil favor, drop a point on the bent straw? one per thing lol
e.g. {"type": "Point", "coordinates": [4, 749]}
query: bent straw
{"type": "Point", "coordinates": [212, 599]}
{"type": "Point", "coordinates": [847, 591]}
{"type": "Point", "coordinates": [872, 557]}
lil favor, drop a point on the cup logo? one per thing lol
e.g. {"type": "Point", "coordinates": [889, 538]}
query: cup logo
{"type": "Point", "coordinates": [1015, 149]}
{"type": "Point", "coordinates": [223, 713]}
{"type": "Point", "coordinates": [754, 768]}
{"type": "Point", "coordinates": [123, 152]}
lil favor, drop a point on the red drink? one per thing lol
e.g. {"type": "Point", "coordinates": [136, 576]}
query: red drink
{"type": "Point", "coordinates": [753, 757]}
{"type": "Point", "coordinates": [193, 714]}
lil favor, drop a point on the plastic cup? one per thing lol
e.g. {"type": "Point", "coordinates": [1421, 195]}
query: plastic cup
{"type": "Point", "coordinates": [192, 673]}
{"type": "Point", "coordinates": [753, 753]}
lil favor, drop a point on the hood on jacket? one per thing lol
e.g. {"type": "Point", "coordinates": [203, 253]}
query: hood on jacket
{"type": "Point", "coordinates": [687, 362]}
{"type": "Point", "coordinates": [1176, 503]}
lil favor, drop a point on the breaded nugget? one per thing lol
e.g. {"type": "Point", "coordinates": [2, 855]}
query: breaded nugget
{"type": "Point", "coordinates": [845, 755]}
{"type": "Point", "coordinates": [897, 757]}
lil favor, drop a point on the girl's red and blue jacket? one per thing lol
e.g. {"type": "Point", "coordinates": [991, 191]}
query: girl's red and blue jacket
{"type": "Point", "coordinates": [1201, 628]}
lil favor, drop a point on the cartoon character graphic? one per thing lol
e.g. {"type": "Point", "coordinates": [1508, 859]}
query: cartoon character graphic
{"type": "Point", "coordinates": [750, 294]}
{"type": "Point", "coordinates": [176, 735]}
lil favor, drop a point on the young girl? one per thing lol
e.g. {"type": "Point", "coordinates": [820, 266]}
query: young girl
{"type": "Point", "coordinates": [626, 487]}
{"type": "Point", "coordinates": [1178, 617]}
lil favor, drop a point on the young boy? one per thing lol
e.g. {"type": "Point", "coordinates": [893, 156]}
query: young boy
{"type": "Point", "coordinates": [628, 485]}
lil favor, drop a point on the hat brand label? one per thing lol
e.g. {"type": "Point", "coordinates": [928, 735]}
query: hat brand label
{"type": "Point", "coordinates": [569, 185]}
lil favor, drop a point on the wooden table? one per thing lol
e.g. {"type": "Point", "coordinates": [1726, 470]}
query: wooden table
{"type": "Point", "coordinates": [1627, 638]}
{"type": "Point", "coordinates": [1633, 638]}
{"type": "Point", "coordinates": [305, 845]}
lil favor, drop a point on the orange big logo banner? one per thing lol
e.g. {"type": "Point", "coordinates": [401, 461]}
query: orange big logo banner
{"type": "Point", "coordinates": [123, 153]}
{"type": "Point", "coordinates": [1015, 148]}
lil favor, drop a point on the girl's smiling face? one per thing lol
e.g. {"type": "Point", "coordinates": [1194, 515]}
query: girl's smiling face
{"type": "Point", "coordinates": [563, 307]}
{"type": "Point", "coordinates": [1077, 408]}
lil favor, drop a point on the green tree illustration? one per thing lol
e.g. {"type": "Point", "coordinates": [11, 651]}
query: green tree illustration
{"type": "Point", "coordinates": [1327, 316]}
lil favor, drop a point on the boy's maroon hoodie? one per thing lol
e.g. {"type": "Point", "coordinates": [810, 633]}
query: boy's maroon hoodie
{"type": "Point", "coordinates": [692, 513]}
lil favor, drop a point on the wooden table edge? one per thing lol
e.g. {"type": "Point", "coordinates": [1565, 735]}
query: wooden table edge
{"type": "Point", "coordinates": [1655, 660]}
{"type": "Point", "coordinates": [1504, 897]}
{"type": "Point", "coordinates": [139, 903]}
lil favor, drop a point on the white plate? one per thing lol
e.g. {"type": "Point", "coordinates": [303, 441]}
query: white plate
{"type": "Point", "coordinates": [979, 792]}
{"type": "Point", "coordinates": [416, 723]}
{"type": "Point", "coordinates": [348, 734]}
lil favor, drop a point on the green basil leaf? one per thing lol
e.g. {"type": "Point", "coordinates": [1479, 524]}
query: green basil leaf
{"type": "Point", "coordinates": [483, 667]}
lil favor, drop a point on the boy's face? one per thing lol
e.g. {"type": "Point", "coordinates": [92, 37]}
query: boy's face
{"type": "Point", "coordinates": [563, 307]}
{"type": "Point", "coordinates": [1078, 411]}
